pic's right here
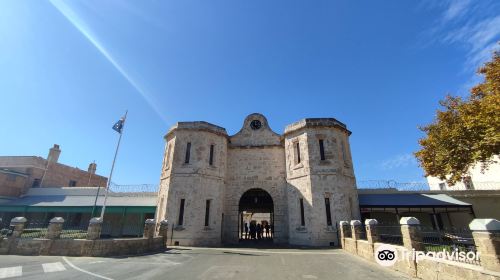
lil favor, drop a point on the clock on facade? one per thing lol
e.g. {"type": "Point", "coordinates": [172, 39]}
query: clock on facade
{"type": "Point", "coordinates": [255, 124]}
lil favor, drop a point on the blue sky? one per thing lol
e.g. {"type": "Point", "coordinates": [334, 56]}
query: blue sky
{"type": "Point", "coordinates": [69, 70]}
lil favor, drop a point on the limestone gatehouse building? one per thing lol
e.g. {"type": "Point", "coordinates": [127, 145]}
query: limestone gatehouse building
{"type": "Point", "coordinates": [302, 179]}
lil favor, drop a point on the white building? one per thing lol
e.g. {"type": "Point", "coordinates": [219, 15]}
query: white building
{"type": "Point", "coordinates": [489, 179]}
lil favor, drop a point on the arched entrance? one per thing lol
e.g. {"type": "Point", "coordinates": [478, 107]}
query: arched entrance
{"type": "Point", "coordinates": [256, 216]}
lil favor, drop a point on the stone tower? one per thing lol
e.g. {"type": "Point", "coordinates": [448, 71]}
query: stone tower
{"type": "Point", "coordinates": [192, 182]}
{"type": "Point", "coordinates": [320, 180]}
{"type": "Point", "coordinates": [302, 181]}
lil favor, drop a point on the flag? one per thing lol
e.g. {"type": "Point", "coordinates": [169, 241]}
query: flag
{"type": "Point", "coordinates": [118, 127]}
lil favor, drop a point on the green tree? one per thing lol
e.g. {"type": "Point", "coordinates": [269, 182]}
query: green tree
{"type": "Point", "coordinates": [465, 131]}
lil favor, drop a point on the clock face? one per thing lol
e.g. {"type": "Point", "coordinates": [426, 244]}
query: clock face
{"type": "Point", "coordinates": [255, 124]}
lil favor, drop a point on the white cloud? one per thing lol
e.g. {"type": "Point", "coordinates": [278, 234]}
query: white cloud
{"type": "Point", "coordinates": [398, 161]}
{"type": "Point", "coordinates": [455, 9]}
{"type": "Point", "coordinates": [470, 25]}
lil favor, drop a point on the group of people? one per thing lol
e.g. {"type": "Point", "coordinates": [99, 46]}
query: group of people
{"type": "Point", "coordinates": [257, 231]}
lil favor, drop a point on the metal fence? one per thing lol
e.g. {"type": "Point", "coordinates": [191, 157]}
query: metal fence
{"type": "Point", "coordinates": [140, 188]}
{"type": "Point", "coordinates": [125, 230]}
{"type": "Point", "coordinates": [39, 229]}
{"type": "Point", "coordinates": [421, 186]}
{"type": "Point", "coordinates": [453, 242]}
{"type": "Point", "coordinates": [362, 233]}
{"type": "Point", "coordinates": [390, 234]}
{"type": "Point", "coordinates": [5, 229]}
{"type": "Point", "coordinates": [348, 232]}
{"type": "Point", "coordinates": [35, 229]}
{"type": "Point", "coordinates": [74, 231]}
{"type": "Point", "coordinates": [392, 184]}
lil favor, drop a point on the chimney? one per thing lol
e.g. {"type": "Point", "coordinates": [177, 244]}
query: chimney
{"type": "Point", "coordinates": [92, 168]}
{"type": "Point", "coordinates": [54, 153]}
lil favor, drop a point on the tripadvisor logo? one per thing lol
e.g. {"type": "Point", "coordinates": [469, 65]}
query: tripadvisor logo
{"type": "Point", "coordinates": [386, 255]}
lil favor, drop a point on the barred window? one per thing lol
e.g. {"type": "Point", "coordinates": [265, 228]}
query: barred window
{"type": "Point", "coordinates": [181, 213]}
{"type": "Point", "coordinates": [328, 212]}
{"type": "Point", "coordinates": [188, 152]}
{"type": "Point", "coordinates": [321, 149]}
{"type": "Point", "coordinates": [297, 147]}
{"type": "Point", "coordinates": [302, 219]}
{"type": "Point", "coordinates": [207, 213]}
{"type": "Point", "coordinates": [211, 158]}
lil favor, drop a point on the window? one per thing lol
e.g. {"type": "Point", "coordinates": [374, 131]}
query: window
{"type": "Point", "coordinates": [207, 213]}
{"type": "Point", "coordinates": [328, 213]}
{"type": "Point", "coordinates": [468, 183]}
{"type": "Point", "coordinates": [36, 183]}
{"type": "Point", "coordinates": [211, 158]}
{"type": "Point", "coordinates": [302, 220]}
{"type": "Point", "coordinates": [181, 213]}
{"type": "Point", "coordinates": [442, 186]}
{"type": "Point", "coordinates": [188, 152]}
{"type": "Point", "coordinates": [297, 146]}
{"type": "Point", "coordinates": [321, 149]}
{"type": "Point", "coordinates": [72, 183]}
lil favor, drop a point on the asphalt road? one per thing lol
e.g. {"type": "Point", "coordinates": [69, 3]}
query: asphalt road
{"type": "Point", "coordinates": [200, 263]}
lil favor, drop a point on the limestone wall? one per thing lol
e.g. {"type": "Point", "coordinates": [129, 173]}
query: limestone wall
{"type": "Point", "coordinates": [434, 270]}
{"type": "Point", "coordinates": [365, 250]}
{"type": "Point", "coordinates": [81, 247]}
{"type": "Point", "coordinates": [195, 181]}
{"type": "Point", "coordinates": [258, 158]}
{"type": "Point", "coordinates": [263, 136]}
{"type": "Point", "coordinates": [350, 245]}
{"type": "Point", "coordinates": [250, 168]}
{"type": "Point", "coordinates": [315, 178]}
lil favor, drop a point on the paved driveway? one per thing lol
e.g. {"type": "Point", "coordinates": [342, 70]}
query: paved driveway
{"type": "Point", "coordinates": [200, 263]}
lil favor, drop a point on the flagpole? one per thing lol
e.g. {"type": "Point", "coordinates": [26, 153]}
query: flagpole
{"type": "Point", "coordinates": [113, 167]}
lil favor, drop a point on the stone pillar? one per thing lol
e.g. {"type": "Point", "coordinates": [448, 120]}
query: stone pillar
{"type": "Point", "coordinates": [486, 233]}
{"type": "Point", "coordinates": [94, 229]}
{"type": "Point", "coordinates": [18, 223]}
{"type": "Point", "coordinates": [164, 230]}
{"type": "Point", "coordinates": [356, 229]}
{"type": "Point", "coordinates": [371, 231]}
{"type": "Point", "coordinates": [55, 228]}
{"type": "Point", "coordinates": [410, 230]}
{"type": "Point", "coordinates": [344, 228]}
{"type": "Point", "coordinates": [149, 228]}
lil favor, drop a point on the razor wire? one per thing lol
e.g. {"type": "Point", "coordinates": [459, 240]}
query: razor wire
{"type": "Point", "coordinates": [138, 188]}
{"type": "Point", "coordinates": [392, 184]}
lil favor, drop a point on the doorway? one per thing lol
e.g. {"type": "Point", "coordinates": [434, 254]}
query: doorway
{"type": "Point", "coordinates": [256, 217]}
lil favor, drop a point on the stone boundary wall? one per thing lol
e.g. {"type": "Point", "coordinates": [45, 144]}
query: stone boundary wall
{"type": "Point", "coordinates": [364, 249]}
{"type": "Point", "coordinates": [81, 247]}
{"type": "Point", "coordinates": [486, 234]}
{"type": "Point", "coordinates": [350, 245]}
{"type": "Point", "coordinates": [93, 246]}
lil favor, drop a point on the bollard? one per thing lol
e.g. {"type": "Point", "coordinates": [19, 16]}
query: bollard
{"type": "Point", "coordinates": [55, 228]}
{"type": "Point", "coordinates": [94, 229]}
{"type": "Point", "coordinates": [17, 225]}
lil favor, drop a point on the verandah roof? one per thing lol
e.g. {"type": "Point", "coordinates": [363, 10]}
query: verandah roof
{"type": "Point", "coordinates": [80, 203]}
{"type": "Point", "coordinates": [413, 200]}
